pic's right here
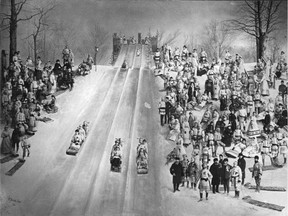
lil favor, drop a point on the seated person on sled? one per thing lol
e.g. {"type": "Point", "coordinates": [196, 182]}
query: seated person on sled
{"type": "Point", "coordinates": [76, 140]}
{"type": "Point", "coordinates": [124, 65]}
{"type": "Point", "coordinates": [142, 159]}
{"type": "Point", "coordinates": [116, 157]}
{"type": "Point", "coordinates": [50, 106]}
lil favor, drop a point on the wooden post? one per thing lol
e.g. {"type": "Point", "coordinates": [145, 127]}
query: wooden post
{"type": "Point", "coordinates": [139, 38]}
{"type": "Point", "coordinates": [95, 57]}
{"type": "Point", "coordinates": [4, 65]}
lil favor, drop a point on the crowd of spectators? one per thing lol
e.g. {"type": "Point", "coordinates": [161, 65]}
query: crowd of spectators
{"type": "Point", "coordinates": [237, 109]}
{"type": "Point", "coordinates": [28, 88]}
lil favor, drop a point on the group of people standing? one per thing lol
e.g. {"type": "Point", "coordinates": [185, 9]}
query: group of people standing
{"type": "Point", "coordinates": [236, 105]}
{"type": "Point", "coordinates": [29, 88]}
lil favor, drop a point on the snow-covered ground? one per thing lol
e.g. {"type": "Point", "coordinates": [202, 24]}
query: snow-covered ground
{"type": "Point", "coordinates": [117, 103]}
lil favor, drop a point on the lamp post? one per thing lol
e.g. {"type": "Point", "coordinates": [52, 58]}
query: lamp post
{"type": "Point", "coordinates": [96, 51]}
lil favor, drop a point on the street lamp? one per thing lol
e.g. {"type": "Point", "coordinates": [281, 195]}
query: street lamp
{"type": "Point", "coordinates": [96, 51]}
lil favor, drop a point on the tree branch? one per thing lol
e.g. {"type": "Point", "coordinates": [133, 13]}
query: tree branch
{"type": "Point", "coordinates": [21, 4]}
{"type": "Point", "coordinates": [27, 18]}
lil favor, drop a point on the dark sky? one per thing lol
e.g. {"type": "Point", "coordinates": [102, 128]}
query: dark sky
{"type": "Point", "coordinates": [131, 17]}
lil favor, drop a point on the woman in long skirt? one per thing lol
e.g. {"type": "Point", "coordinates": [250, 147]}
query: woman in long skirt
{"type": "Point", "coordinates": [6, 147]}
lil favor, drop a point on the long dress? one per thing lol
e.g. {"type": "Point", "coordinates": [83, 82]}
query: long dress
{"type": "Point", "coordinates": [6, 147]}
{"type": "Point", "coordinates": [175, 130]}
{"type": "Point", "coordinates": [264, 87]}
{"type": "Point", "coordinates": [186, 133]}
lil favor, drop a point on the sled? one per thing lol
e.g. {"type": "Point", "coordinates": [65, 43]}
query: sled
{"type": "Point", "coordinates": [267, 188]}
{"type": "Point", "coordinates": [264, 168]}
{"type": "Point", "coordinates": [201, 71]}
{"type": "Point", "coordinates": [54, 110]}
{"type": "Point", "coordinates": [74, 151]}
{"type": "Point", "coordinates": [64, 87]}
{"type": "Point", "coordinates": [250, 152]}
{"type": "Point", "coordinates": [116, 156]}
{"type": "Point", "coordinates": [8, 158]}
{"type": "Point", "coordinates": [45, 119]}
{"type": "Point", "coordinates": [31, 133]}
{"type": "Point", "coordinates": [249, 200]}
{"type": "Point", "coordinates": [275, 162]}
{"type": "Point", "coordinates": [232, 153]}
{"type": "Point", "coordinates": [15, 168]}
{"type": "Point", "coordinates": [142, 157]}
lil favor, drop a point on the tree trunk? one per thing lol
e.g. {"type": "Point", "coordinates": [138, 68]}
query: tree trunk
{"type": "Point", "coordinates": [261, 46]}
{"type": "Point", "coordinates": [35, 49]}
{"type": "Point", "coordinates": [13, 31]}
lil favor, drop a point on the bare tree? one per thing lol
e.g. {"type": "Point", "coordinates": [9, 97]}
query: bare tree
{"type": "Point", "coordinates": [216, 39]}
{"type": "Point", "coordinates": [164, 38]}
{"type": "Point", "coordinates": [11, 20]}
{"type": "Point", "coordinates": [257, 18]}
{"type": "Point", "coordinates": [63, 33]}
{"type": "Point", "coordinates": [39, 24]}
{"type": "Point", "coordinates": [98, 36]}
{"type": "Point", "coordinates": [191, 41]}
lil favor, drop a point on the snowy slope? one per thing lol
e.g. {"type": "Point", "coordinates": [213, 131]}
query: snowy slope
{"type": "Point", "coordinates": [118, 103]}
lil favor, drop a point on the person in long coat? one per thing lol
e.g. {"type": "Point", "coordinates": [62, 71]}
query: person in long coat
{"type": "Point", "coordinates": [215, 170]}
{"type": "Point", "coordinates": [6, 147]}
{"type": "Point", "coordinates": [242, 164]}
{"type": "Point", "coordinates": [16, 134]}
{"type": "Point", "coordinates": [227, 136]}
{"type": "Point", "coordinates": [176, 171]}
{"type": "Point", "coordinates": [193, 173]}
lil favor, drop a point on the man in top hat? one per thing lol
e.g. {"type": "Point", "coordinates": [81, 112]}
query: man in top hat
{"type": "Point", "coordinates": [176, 171]}
{"type": "Point", "coordinates": [215, 170]}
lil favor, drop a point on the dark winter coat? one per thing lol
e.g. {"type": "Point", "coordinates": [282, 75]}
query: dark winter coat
{"type": "Point", "coordinates": [227, 136]}
{"type": "Point", "coordinates": [177, 169]}
{"type": "Point", "coordinates": [215, 170]}
{"type": "Point", "coordinates": [225, 172]}
{"type": "Point", "coordinates": [57, 68]}
{"type": "Point", "coordinates": [267, 120]}
{"type": "Point", "coordinates": [282, 121]}
{"type": "Point", "coordinates": [283, 89]}
{"type": "Point", "coordinates": [232, 120]}
{"type": "Point", "coordinates": [220, 124]}
{"type": "Point", "coordinates": [209, 85]}
{"type": "Point", "coordinates": [242, 165]}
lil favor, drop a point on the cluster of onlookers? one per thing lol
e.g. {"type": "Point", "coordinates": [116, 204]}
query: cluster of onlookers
{"type": "Point", "coordinates": [28, 88]}
{"type": "Point", "coordinates": [235, 102]}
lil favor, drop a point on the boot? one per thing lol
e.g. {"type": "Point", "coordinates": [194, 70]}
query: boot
{"type": "Point", "coordinates": [201, 197]}
{"type": "Point", "coordinates": [235, 194]}
{"type": "Point", "coordinates": [238, 194]}
{"type": "Point", "coordinates": [206, 195]}
{"type": "Point", "coordinates": [285, 160]}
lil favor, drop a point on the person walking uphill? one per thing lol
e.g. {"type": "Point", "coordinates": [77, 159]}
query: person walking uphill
{"type": "Point", "coordinates": [257, 173]}
{"type": "Point", "coordinates": [204, 184]}
{"type": "Point", "coordinates": [177, 171]}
